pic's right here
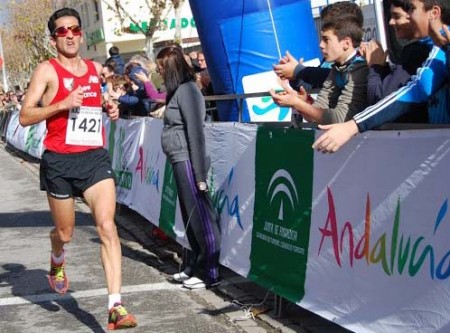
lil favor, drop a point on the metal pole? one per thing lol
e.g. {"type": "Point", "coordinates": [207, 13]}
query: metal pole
{"type": "Point", "coordinates": [5, 81]}
{"type": "Point", "coordinates": [381, 29]}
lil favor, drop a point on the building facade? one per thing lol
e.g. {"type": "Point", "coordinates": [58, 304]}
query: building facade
{"type": "Point", "coordinates": [103, 27]}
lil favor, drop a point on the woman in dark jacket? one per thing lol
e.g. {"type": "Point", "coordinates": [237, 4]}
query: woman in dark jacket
{"type": "Point", "coordinates": [183, 142]}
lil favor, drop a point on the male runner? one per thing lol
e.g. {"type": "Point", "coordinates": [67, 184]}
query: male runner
{"type": "Point", "coordinates": [65, 91]}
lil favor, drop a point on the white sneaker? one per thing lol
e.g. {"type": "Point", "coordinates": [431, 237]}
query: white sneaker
{"type": "Point", "coordinates": [180, 277]}
{"type": "Point", "coordinates": [194, 283]}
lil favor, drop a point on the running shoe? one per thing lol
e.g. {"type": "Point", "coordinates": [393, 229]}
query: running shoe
{"type": "Point", "coordinates": [119, 318]}
{"type": "Point", "coordinates": [57, 278]}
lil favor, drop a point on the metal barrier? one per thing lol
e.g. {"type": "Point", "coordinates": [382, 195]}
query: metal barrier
{"type": "Point", "coordinates": [5, 115]}
{"type": "Point", "coordinates": [240, 100]}
{"type": "Point", "coordinates": [306, 125]}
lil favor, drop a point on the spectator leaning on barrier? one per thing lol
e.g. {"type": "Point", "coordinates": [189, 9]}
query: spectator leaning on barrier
{"type": "Point", "coordinates": [2, 102]}
{"type": "Point", "coordinates": [145, 77]}
{"type": "Point", "coordinates": [440, 35]}
{"type": "Point", "coordinates": [152, 92]}
{"type": "Point", "coordinates": [344, 92]}
{"type": "Point", "coordinates": [65, 91]}
{"type": "Point", "coordinates": [205, 80]}
{"type": "Point", "coordinates": [107, 72]}
{"type": "Point", "coordinates": [385, 78]}
{"type": "Point", "coordinates": [14, 101]}
{"type": "Point", "coordinates": [308, 76]}
{"type": "Point", "coordinates": [183, 142]}
{"type": "Point", "coordinates": [135, 101]}
{"type": "Point", "coordinates": [427, 16]}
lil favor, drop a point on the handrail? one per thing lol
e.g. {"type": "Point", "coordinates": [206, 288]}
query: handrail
{"type": "Point", "coordinates": [240, 98]}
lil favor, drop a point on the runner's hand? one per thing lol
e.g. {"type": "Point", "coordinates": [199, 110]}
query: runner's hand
{"type": "Point", "coordinates": [112, 109]}
{"type": "Point", "coordinates": [74, 100]}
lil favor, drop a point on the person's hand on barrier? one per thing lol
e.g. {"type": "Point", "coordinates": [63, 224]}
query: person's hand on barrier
{"type": "Point", "coordinates": [335, 136]}
{"type": "Point", "coordinates": [74, 99]}
{"type": "Point", "coordinates": [439, 33]}
{"type": "Point", "coordinates": [285, 69]}
{"type": "Point", "coordinates": [286, 97]}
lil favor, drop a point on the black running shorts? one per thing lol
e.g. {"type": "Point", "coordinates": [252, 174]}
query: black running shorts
{"type": "Point", "coordinates": [65, 176]}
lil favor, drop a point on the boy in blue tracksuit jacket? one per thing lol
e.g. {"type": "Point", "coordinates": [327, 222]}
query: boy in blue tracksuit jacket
{"type": "Point", "coordinates": [430, 78]}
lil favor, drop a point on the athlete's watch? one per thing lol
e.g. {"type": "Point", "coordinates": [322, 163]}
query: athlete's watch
{"type": "Point", "coordinates": [202, 186]}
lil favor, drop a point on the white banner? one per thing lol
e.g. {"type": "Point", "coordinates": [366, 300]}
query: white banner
{"type": "Point", "coordinates": [148, 171]}
{"type": "Point", "coordinates": [379, 252]}
{"type": "Point", "coordinates": [126, 138]}
{"type": "Point", "coordinates": [232, 149]}
{"type": "Point", "coordinates": [16, 134]}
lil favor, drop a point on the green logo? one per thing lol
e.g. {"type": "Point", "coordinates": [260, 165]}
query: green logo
{"type": "Point", "coordinates": [282, 211]}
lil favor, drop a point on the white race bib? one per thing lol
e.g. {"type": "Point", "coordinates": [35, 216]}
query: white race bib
{"type": "Point", "coordinates": [84, 126]}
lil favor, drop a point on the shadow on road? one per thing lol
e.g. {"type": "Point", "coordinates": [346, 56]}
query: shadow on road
{"type": "Point", "coordinates": [38, 219]}
{"type": "Point", "coordinates": [32, 286]}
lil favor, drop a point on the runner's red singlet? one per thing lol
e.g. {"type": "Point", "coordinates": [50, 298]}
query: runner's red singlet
{"type": "Point", "coordinates": [79, 129]}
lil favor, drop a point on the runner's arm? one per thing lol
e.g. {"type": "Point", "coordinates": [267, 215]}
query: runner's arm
{"type": "Point", "coordinates": [39, 90]}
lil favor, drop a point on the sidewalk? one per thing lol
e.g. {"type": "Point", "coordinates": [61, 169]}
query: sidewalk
{"type": "Point", "coordinates": [237, 297]}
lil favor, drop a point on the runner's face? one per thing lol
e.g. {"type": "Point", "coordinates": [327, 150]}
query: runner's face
{"type": "Point", "coordinates": [401, 23]}
{"type": "Point", "coordinates": [70, 44]}
{"type": "Point", "coordinates": [419, 18]}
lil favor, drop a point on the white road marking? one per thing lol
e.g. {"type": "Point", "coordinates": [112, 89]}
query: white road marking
{"type": "Point", "coordinates": [33, 299]}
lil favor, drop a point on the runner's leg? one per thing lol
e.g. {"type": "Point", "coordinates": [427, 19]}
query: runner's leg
{"type": "Point", "coordinates": [101, 198]}
{"type": "Point", "coordinates": [63, 214]}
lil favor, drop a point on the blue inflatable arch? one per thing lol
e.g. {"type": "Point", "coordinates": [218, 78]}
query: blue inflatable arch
{"type": "Point", "coordinates": [241, 38]}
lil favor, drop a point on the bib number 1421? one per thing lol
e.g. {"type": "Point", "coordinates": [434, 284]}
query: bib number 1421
{"type": "Point", "coordinates": [84, 126]}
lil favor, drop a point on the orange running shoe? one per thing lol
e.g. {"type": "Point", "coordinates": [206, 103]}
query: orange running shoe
{"type": "Point", "coordinates": [57, 278]}
{"type": "Point", "coordinates": [119, 318]}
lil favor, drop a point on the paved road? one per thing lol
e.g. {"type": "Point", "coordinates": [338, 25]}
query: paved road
{"type": "Point", "coordinates": [27, 304]}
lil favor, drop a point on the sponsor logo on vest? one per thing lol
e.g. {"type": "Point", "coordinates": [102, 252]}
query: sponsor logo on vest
{"type": "Point", "coordinates": [88, 94]}
{"type": "Point", "coordinates": [68, 83]}
{"type": "Point", "coordinates": [93, 79]}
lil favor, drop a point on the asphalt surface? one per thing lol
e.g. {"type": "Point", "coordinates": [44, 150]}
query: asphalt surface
{"type": "Point", "coordinates": [28, 305]}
